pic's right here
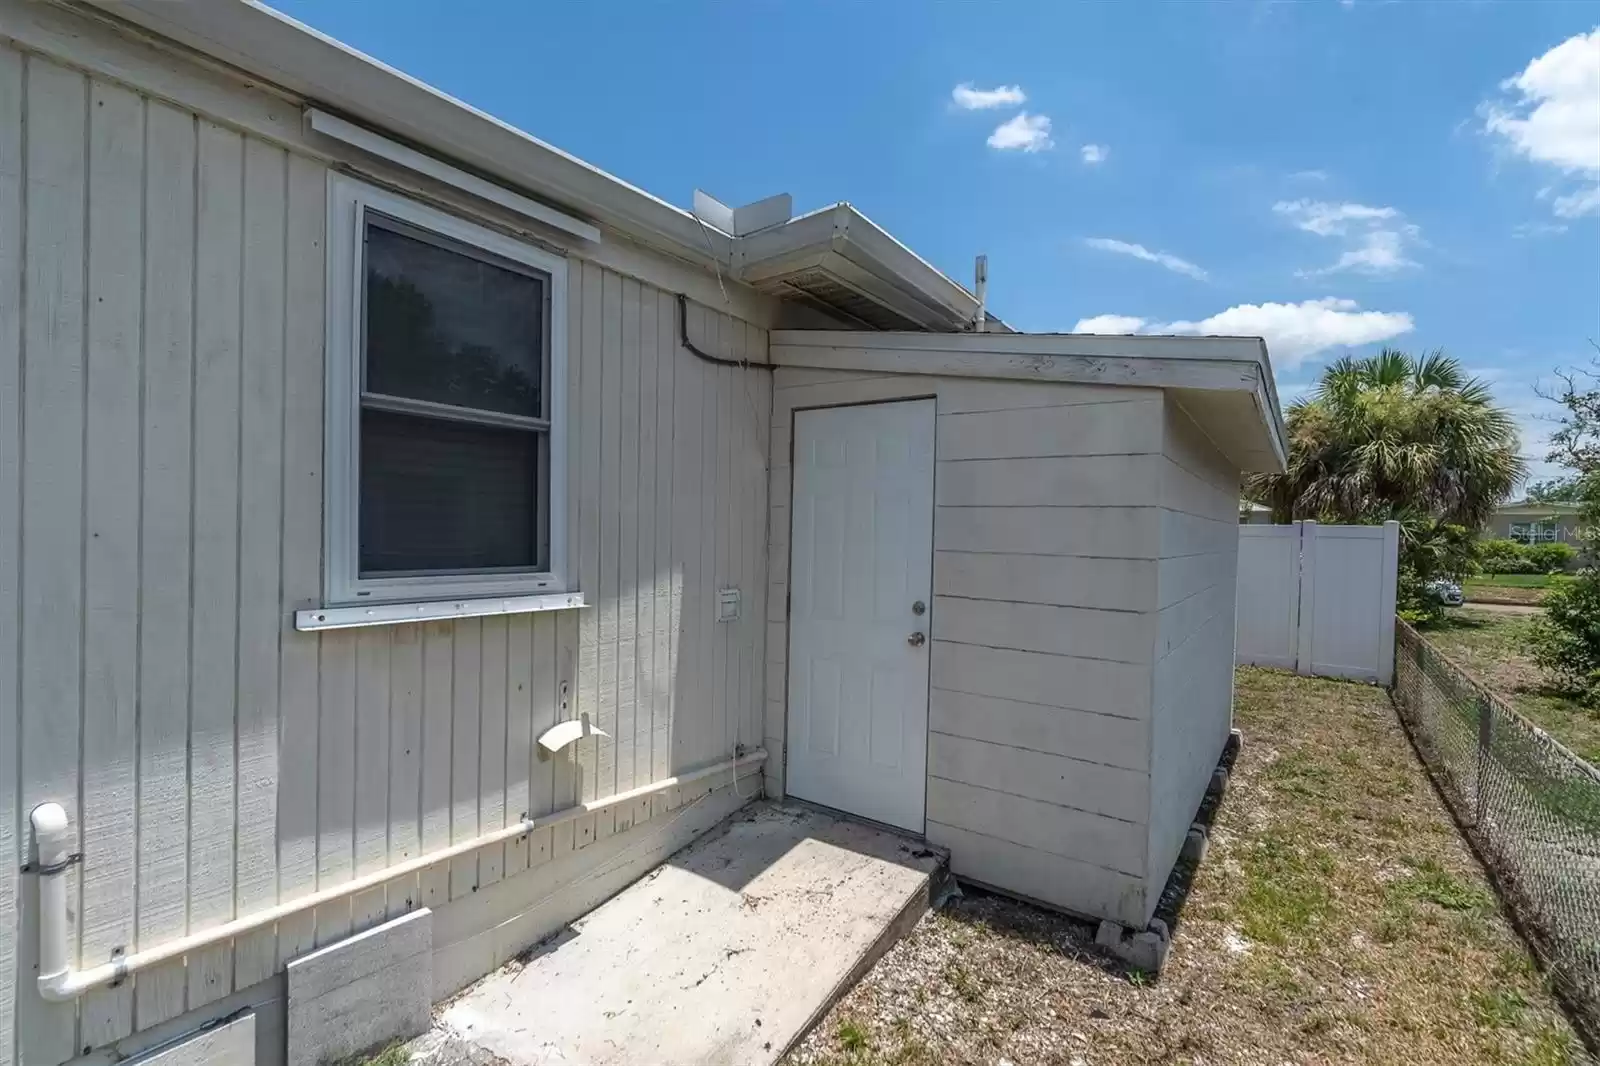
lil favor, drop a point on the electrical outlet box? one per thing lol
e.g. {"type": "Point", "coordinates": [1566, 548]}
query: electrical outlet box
{"type": "Point", "coordinates": [728, 605]}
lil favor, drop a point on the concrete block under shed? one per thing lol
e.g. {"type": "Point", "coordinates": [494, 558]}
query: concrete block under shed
{"type": "Point", "coordinates": [1143, 951]}
{"type": "Point", "coordinates": [372, 988]}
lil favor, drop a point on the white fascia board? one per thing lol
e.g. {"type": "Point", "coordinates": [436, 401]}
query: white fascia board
{"type": "Point", "coordinates": [1236, 365]}
{"type": "Point", "coordinates": [373, 144]}
{"type": "Point", "coordinates": [1088, 345]}
{"type": "Point", "coordinates": [271, 46]}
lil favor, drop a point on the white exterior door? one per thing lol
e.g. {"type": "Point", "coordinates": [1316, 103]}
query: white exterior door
{"type": "Point", "coordinates": [860, 572]}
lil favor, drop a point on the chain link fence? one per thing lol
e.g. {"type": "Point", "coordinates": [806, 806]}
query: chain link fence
{"type": "Point", "coordinates": [1529, 804]}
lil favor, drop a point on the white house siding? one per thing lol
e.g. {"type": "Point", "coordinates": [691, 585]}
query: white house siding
{"type": "Point", "coordinates": [1047, 539]}
{"type": "Point", "coordinates": [161, 497]}
{"type": "Point", "coordinates": [1196, 591]}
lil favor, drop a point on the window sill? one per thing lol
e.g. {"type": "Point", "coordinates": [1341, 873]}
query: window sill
{"type": "Point", "coordinates": [388, 614]}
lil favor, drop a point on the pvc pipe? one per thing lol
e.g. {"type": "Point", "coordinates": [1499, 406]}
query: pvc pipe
{"type": "Point", "coordinates": [52, 833]}
{"type": "Point", "coordinates": [58, 982]}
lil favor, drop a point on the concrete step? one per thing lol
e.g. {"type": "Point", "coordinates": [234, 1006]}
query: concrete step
{"type": "Point", "coordinates": [727, 953]}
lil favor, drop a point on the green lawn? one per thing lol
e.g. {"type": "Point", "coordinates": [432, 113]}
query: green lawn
{"type": "Point", "coordinates": [1338, 917]}
{"type": "Point", "coordinates": [1519, 581]}
{"type": "Point", "coordinates": [1527, 589]}
{"type": "Point", "coordinates": [1495, 649]}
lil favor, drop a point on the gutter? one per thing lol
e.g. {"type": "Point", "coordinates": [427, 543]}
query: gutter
{"type": "Point", "coordinates": [58, 982]}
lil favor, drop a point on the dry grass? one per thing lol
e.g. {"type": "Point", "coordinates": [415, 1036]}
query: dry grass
{"type": "Point", "coordinates": [1337, 919]}
{"type": "Point", "coordinates": [1494, 648]}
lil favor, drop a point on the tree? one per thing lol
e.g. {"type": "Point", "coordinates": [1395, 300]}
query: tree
{"type": "Point", "coordinates": [1576, 444]}
{"type": "Point", "coordinates": [1566, 642]}
{"type": "Point", "coordinates": [1393, 436]}
{"type": "Point", "coordinates": [1556, 490]}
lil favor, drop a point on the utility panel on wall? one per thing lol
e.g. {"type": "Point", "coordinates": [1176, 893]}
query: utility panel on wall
{"type": "Point", "coordinates": [728, 605]}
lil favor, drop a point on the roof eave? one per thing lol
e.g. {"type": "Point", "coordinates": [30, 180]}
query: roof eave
{"type": "Point", "coordinates": [296, 58]}
{"type": "Point", "coordinates": [1225, 383]}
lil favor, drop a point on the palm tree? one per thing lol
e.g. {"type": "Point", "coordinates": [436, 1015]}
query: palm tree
{"type": "Point", "coordinates": [1392, 436]}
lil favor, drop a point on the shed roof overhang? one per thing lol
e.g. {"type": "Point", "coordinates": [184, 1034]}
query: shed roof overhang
{"type": "Point", "coordinates": [1224, 383]}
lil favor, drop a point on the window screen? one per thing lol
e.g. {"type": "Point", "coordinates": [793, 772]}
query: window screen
{"type": "Point", "coordinates": [455, 424]}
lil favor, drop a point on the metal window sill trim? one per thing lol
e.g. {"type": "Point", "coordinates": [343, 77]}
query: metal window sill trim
{"type": "Point", "coordinates": [388, 614]}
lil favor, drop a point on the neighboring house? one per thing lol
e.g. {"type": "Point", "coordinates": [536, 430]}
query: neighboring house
{"type": "Point", "coordinates": [351, 442]}
{"type": "Point", "coordinates": [1528, 522]}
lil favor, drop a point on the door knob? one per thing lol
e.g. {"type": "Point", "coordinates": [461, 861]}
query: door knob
{"type": "Point", "coordinates": [917, 640]}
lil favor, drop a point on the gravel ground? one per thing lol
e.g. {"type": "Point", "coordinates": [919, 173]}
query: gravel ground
{"type": "Point", "coordinates": [1338, 918]}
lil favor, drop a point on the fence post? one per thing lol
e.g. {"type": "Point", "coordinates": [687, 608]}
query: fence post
{"type": "Point", "coordinates": [1485, 739]}
{"type": "Point", "coordinates": [1389, 574]}
{"type": "Point", "coordinates": [1308, 596]}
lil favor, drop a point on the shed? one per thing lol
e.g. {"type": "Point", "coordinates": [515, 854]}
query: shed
{"type": "Point", "coordinates": [1055, 516]}
{"type": "Point", "coordinates": [352, 442]}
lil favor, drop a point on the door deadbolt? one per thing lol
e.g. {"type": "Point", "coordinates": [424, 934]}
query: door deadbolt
{"type": "Point", "coordinates": [919, 608]}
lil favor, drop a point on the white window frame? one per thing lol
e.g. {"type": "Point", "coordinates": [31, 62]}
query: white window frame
{"type": "Point", "coordinates": [343, 585]}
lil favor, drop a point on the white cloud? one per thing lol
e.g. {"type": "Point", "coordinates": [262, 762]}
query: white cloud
{"type": "Point", "coordinates": [1537, 229]}
{"type": "Point", "coordinates": [1293, 332]}
{"type": "Point", "coordinates": [1029, 133]}
{"type": "Point", "coordinates": [1381, 251]}
{"type": "Point", "coordinates": [1139, 251]}
{"type": "Point", "coordinates": [1376, 238]}
{"type": "Point", "coordinates": [1094, 153]}
{"type": "Point", "coordinates": [1551, 115]}
{"type": "Point", "coordinates": [1109, 324]}
{"type": "Point", "coordinates": [1309, 175]}
{"type": "Point", "coordinates": [1330, 220]}
{"type": "Point", "coordinates": [971, 99]}
{"type": "Point", "coordinates": [1583, 202]}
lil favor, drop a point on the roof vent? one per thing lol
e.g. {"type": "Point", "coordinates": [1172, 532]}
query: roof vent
{"type": "Point", "coordinates": [738, 221]}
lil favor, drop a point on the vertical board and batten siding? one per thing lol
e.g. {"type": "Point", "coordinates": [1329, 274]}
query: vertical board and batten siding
{"type": "Point", "coordinates": [161, 498]}
{"type": "Point", "coordinates": [1197, 588]}
{"type": "Point", "coordinates": [1047, 538]}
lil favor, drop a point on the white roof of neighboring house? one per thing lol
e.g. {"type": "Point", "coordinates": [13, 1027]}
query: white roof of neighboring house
{"type": "Point", "coordinates": [1533, 507]}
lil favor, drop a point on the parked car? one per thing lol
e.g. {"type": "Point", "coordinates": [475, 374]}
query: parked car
{"type": "Point", "coordinates": [1445, 591]}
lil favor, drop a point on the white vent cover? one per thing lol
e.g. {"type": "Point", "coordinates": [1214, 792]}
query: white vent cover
{"type": "Point", "coordinates": [738, 221]}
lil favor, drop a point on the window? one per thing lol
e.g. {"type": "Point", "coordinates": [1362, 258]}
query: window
{"type": "Point", "coordinates": [446, 372]}
{"type": "Point", "coordinates": [1536, 532]}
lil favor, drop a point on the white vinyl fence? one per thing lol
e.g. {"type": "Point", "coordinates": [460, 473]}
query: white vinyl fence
{"type": "Point", "coordinates": [1319, 599]}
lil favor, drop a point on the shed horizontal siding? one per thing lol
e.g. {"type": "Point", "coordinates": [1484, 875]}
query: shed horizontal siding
{"type": "Point", "coordinates": [1079, 532]}
{"type": "Point", "coordinates": [1096, 738]}
{"type": "Point", "coordinates": [1064, 581]}
{"type": "Point", "coordinates": [1062, 430]}
{"type": "Point", "coordinates": [1093, 890]}
{"type": "Point", "coordinates": [1115, 844]}
{"type": "Point", "coordinates": [1048, 537]}
{"type": "Point", "coordinates": [1055, 481]}
{"type": "Point", "coordinates": [167, 455]}
{"type": "Point", "coordinates": [1096, 685]}
{"type": "Point", "coordinates": [1193, 677]}
{"type": "Point", "coordinates": [1068, 782]}
{"type": "Point", "coordinates": [1119, 636]}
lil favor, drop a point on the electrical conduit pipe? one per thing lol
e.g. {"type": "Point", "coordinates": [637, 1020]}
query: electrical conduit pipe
{"type": "Point", "coordinates": [59, 982]}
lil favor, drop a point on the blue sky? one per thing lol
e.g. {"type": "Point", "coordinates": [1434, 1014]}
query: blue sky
{"type": "Point", "coordinates": [1333, 175]}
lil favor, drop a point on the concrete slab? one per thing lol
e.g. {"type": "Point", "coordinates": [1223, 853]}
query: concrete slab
{"type": "Point", "coordinates": [728, 953]}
